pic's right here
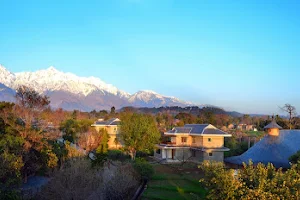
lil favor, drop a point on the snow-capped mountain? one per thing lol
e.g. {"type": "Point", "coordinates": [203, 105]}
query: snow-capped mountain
{"type": "Point", "coordinates": [70, 92]}
{"type": "Point", "coordinates": [153, 99]}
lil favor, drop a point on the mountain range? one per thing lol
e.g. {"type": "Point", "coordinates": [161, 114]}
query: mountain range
{"type": "Point", "coordinates": [69, 91]}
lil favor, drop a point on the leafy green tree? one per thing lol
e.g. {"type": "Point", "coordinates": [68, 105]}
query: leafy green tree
{"type": "Point", "coordinates": [251, 182]}
{"type": "Point", "coordinates": [295, 158]}
{"type": "Point", "coordinates": [70, 128]}
{"type": "Point", "coordinates": [102, 149]}
{"type": "Point", "coordinates": [139, 133]}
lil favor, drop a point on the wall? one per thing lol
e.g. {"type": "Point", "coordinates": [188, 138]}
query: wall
{"type": "Point", "coordinates": [113, 132]}
{"type": "Point", "coordinates": [182, 154]}
{"type": "Point", "coordinates": [217, 156]}
{"type": "Point", "coordinates": [216, 141]}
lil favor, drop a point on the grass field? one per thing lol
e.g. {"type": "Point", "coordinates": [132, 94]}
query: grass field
{"type": "Point", "coordinates": [175, 182]}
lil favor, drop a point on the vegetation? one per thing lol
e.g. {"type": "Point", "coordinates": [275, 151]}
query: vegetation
{"type": "Point", "coordinates": [143, 168]}
{"type": "Point", "coordinates": [78, 181]}
{"type": "Point", "coordinates": [25, 146]}
{"type": "Point", "coordinates": [295, 158]}
{"type": "Point", "coordinates": [291, 110]}
{"type": "Point", "coordinates": [139, 133]}
{"type": "Point", "coordinates": [172, 182]}
{"type": "Point", "coordinates": [251, 182]}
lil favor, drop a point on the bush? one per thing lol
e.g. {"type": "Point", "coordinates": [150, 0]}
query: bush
{"type": "Point", "coordinates": [251, 182]}
{"type": "Point", "coordinates": [143, 168]}
{"type": "Point", "coordinates": [117, 155]}
{"type": "Point", "coordinates": [79, 181]}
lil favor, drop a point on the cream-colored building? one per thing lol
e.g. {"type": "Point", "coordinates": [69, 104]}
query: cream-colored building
{"type": "Point", "coordinates": [194, 142]}
{"type": "Point", "coordinates": [112, 126]}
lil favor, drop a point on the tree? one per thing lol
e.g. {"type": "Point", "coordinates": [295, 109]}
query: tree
{"type": "Point", "coordinates": [291, 110]}
{"type": "Point", "coordinates": [112, 110]}
{"type": "Point", "coordinates": [251, 182]}
{"type": "Point", "coordinates": [102, 149]}
{"type": "Point", "coordinates": [295, 158]}
{"type": "Point", "coordinates": [138, 132]}
{"type": "Point", "coordinates": [25, 121]}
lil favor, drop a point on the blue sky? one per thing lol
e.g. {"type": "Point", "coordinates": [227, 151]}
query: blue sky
{"type": "Point", "coordinates": [240, 55]}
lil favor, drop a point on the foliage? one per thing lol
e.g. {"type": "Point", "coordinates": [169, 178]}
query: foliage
{"type": "Point", "coordinates": [90, 140]}
{"type": "Point", "coordinates": [102, 149]}
{"type": "Point", "coordinates": [143, 168]}
{"type": "Point", "coordinates": [78, 180]}
{"type": "Point", "coordinates": [24, 140]}
{"type": "Point", "coordinates": [139, 133]}
{"type": "Point", "coordinates": [236, 147]}
{"type": "Point", "coordinates": [295, 158]}
{"type": "Point", "coordinates": [117, 155]}
{"type": "Point", "coordinates": [73, 127]}
{"type": "Point", "coordinates": [251, 182]}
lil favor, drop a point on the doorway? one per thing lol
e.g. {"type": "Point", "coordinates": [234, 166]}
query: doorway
{"type": "Point", "coordinates": [173, 153]}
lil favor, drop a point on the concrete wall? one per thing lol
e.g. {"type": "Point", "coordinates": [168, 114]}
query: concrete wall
{"type": "Point", "coordinates": [200, 141]}
{"type": "Point", "coordinates": [182, 154]}
{"type": "Point", "coordinates": [216, 156]}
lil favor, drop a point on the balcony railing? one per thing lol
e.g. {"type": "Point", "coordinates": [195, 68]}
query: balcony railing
{"type": "Point", "coordinates": [168, 143]}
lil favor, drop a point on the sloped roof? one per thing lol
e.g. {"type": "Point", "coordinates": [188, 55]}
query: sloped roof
{"type": "Point", "coordinates": [273, 124]}
{"type": "Point", "coordinates": [198, 129]}
{"type": "Point", "coordinates": [180, 130]}
{"type": "Point", "coordinates": [271, 149]}
{"type": "Point", "coordinates": [113, 121]}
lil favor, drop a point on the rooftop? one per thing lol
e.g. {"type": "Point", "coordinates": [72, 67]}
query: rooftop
{"type": "Point", "coordinates": [273, 124]}
{"type": "Point", "coordinates": [270, 149]}
{"type": "Point", "coordinates": [197, 129]}
{"type": "Point", "coordinates": [110, 122]}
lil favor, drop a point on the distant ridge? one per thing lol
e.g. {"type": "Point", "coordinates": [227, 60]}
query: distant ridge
{"type": "Point", "coordinates": [69, 91]}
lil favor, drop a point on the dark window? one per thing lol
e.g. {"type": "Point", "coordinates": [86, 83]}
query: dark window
{"type": "Point", "coordinates": [158, 151]}
{"type": "Point", "coordinates": [183, 139]}
{"type": "Point", "coordinates": [209, 139]}
{"type": "Point", "coordinates": [210, 154]}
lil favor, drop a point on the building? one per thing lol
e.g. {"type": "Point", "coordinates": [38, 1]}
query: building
{"type": "Point", "coordinates": [193, 142]}
{"type": "Point", "coordinates": [276, 148]}
{"type": "Point", "coordinates": [112, 126]}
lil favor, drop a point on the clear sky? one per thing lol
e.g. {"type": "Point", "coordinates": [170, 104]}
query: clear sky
{"type": "Point", "coordinates": [240, 55]}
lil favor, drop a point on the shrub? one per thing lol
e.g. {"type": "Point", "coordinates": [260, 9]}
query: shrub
{"type": "Point", "coordinates": [117, 155]}
{"type": "Point", "coordinates": [143, 168]}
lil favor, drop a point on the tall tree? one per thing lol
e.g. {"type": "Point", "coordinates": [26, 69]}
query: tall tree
{"type": "Point", "coordinates": [138, 132]}
{"type": "Point", "coordinates": [291, 110]}
{"type": "Point", "coordinates": [112, 110]}
{"type": "Point", "coordinates": [26, 122]}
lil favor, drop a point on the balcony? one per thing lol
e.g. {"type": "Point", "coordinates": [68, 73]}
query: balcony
{"type": "Point", "coordinates": [169, 143]}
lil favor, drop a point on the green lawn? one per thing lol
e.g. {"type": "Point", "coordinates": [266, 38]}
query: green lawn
{"type": "Point", "coordinates": [255, 133]}
{"type": "Point", "coordinates": [174, 182]}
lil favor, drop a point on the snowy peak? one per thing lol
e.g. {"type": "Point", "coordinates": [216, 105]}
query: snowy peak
{"type": "Point", "coordinates": [6, 77]}
{"type": "Point", "coordinates": [52, 79]}
{"type": "Point", "coordinates": [153, 99]}
{"type": "Point", "coordinates": [69, 91]}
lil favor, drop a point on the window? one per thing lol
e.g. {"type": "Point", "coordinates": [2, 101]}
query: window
{"type": "Point", "coordinates": [194, 139]}
{"type": "Point", "coordinates": [210, 154]}
{"type": "Point", "coordinates": [183, 139]}
{"type": "Point", "coordinates": [209, 139]}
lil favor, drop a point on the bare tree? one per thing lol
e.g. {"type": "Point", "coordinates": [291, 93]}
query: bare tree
{"type": "Point", "coordinates": [291, 110]}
